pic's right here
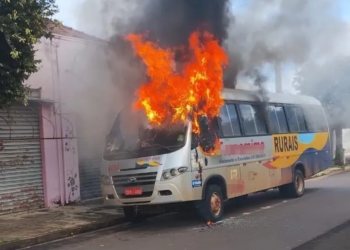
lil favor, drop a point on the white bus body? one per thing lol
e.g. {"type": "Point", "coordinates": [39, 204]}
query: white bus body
{"type": "Point", "coordinates": [253, 154]}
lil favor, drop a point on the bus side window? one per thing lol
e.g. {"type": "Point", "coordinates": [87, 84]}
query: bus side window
{"type": "Point", "coordinates": [281, 119]}
{"type": "Point", "coordinates": [300, 118]}
{"type": "Point", "coordinates": [322, 120]}
{"type": "Point", "coordinates": [232, 111]}
{"type": "Point", "coordinates": [225, 122]}
{"type": "Point", "coordinates": [296, 120]}
{"type": "Point", "coordinates": [319, 119]}
{"type": "Point", "coordinates": [253, 123]}
{"type": "Point", "coordinates": [229, 121]}
{"type": "Point", "coordinates": [292, 119]}
{"type": "Point", "coordinates": [310, 118]}
{"type": "Point", "coordinates": [277, 119]}
{"type": "Point", "coordinates": [275, 127]}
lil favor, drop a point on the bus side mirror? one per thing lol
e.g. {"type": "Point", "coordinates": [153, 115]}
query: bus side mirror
{"type": "Point", "coordinates": [207, 137]}
{"type": "Point", "coordinates": [203, 124]}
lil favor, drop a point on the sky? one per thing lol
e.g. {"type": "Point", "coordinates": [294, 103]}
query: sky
{"type": "Point", "coordinates": [344, 9]}
{"type": "Point", "coordinates": [68, 10]}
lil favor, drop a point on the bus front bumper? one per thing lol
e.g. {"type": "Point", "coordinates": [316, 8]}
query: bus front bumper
{"type": "Point", "coordinates": [163, 193]}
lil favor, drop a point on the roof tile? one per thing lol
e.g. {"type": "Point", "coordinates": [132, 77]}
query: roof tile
{"type": "Point", "coordinates": [68, 31]}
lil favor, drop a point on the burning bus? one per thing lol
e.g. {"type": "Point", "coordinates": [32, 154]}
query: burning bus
{"type": "Point", "coordinates": [189, 143]}
{"type": "Point", "coordinates": [251, 146]}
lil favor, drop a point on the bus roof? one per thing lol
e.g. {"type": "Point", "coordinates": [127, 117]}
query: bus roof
{"type": "Point", "coordinates": [246, 95]}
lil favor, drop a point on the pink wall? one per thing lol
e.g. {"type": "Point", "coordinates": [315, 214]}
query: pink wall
{"type": "Point", "coordinates": [70, 159]}
{"type": "Point", "coordinates": [45, 77]}
{"type": "Point", "coordinates": [50, 154]}
{"type": "Point", "coordinates": [59, 157]}
{"type": "Point", "coordinates": [70, 67]}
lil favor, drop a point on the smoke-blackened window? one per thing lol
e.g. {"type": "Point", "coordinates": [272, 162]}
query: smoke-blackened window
{"type": "Point", "coordinates": [278, 120]}
{"type": "Point", "coordinates": [232, 112]}
{"type": "Point", "coordinates": [296, 119]}
{"type": "Point", "coordinates": [253, 122]}
{"type": "Point", "coordinates": [315, 118]}
{"type": "Point", "coordinates": [275, 127]}
{"type": "Point", "coordinates": [225, 122]}
{"type": "Point", "coordinates": [281, 119]}
{"type": "Point", "coordinates": [229, 121]}
{"type": "Point", "coordinates": [292, 119]}
{"type": "Point", "coordinates": [300, 118]}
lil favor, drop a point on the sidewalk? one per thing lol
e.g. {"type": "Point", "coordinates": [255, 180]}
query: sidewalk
{"type": "Point", "coordinates": [31, 228]}
{"type": "Point", "coordinates": [332, 170]}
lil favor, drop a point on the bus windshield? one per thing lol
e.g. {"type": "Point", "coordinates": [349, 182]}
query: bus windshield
{"type": "Point", "coordinates": [131, 138]}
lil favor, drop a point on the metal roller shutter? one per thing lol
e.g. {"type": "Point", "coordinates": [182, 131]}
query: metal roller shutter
{"type": "Point", "coordinates": [21, 186]}
{"type": "Point", "coordinates": [90, 178]}
{"type": "Point", "coordinates": [90, 149]}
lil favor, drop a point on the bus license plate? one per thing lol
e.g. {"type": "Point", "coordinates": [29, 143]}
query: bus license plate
{"type": "Point", "coordinates": [133, 191]}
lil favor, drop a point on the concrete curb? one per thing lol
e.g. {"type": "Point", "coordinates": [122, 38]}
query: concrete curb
{"type": "Point", "coordinates": [60, 234]}
{"type": "Point", "coordinates": [330, 172]}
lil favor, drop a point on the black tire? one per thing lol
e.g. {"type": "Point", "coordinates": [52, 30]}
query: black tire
{"type": "Point", "coordinates": [205, 208]}
{"type": "Point", "coordinates": [131, 215]}
{"type": "Point", "coordinates": [295, 189]}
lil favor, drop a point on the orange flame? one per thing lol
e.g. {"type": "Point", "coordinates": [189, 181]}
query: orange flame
{"type": "Point", "coordinates": [172, 96]}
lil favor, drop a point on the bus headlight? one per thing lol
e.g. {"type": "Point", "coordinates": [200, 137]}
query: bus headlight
{"type": "Point", "coordinates": [174, 172]}
{"type": "Point", "coordinates": [171, 173]}
{"type": "Point", "coordinates": [166, 175]}
{"type": "Point", "coordinates": [106, 180]}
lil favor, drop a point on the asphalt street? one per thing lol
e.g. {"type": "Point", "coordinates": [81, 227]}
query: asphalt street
{"type": "Point", "coordinates": [265, 221]}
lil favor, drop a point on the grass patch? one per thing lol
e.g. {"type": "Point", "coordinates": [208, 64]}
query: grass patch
{"type": "Point", "coordinates": [4, 241]}
{"type": "Point", "coordinates": [338, 166]}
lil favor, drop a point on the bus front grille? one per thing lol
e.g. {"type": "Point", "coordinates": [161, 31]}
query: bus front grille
{"type": "Point", "coordinates": [145, 181]}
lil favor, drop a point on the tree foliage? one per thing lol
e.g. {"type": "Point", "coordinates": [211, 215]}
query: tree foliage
{"type": "Point", "coordinates": [22, 24]}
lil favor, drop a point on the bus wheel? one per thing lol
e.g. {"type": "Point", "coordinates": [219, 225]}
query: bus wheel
{"type": "Point", "coordinates": [296, 188]}
{"type": "Point", "coordinates": [132, 215]}
{"type": "Point", "coordinates": [212, 207]}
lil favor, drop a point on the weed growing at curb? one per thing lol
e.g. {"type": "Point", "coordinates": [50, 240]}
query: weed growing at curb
{"type": "Point", "coordinates": [3, 241]}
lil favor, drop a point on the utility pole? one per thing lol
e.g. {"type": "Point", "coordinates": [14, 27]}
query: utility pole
{"type": "Point", "coordinates": [278, 77]}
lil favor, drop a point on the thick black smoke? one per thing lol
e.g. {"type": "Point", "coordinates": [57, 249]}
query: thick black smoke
{"type": "Point", "coordinates": [169, 23]}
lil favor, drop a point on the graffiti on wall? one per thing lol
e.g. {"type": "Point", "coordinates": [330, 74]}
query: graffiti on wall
{"type": "Point", "coordinates": [71, 167]}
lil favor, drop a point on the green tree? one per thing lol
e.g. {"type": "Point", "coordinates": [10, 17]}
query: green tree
{"type": "Point", "coordinates": [329, 82]}
{"type": "Point", "coordinates": [22, 24]}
